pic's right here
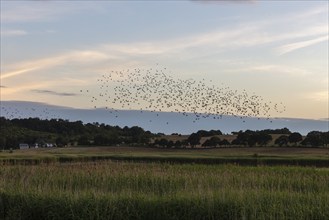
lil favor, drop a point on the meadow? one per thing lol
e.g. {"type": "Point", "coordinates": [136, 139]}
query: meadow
{"type": "Point", "coordinates": [152, 183]}
{"type": "Point", "coordinates": [318, 157]}
{"type": "Point", "coordinates": [130, 190]}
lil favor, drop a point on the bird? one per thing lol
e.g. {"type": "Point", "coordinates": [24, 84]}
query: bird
{"type": "Point", "coordinates": [155, 89]}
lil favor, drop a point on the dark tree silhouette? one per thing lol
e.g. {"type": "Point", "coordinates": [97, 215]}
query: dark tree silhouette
{"type": "Point", "coordinates": [161, 142]}
{"type": "Point", "coordinates": [283, 140]}
{"type": "Point", "coordinates": [316, 139]}
{"type": "Point", "coordinates": [194, 139]}
{"type": "Point", "coordinates": [210, 133]}
{"type": "Point", "coordinates": [224, 142]}
{"type": "Point", "coordinates": [263, 138]}
{"type": "Point", "coordinates": [295, 137]}
{"type": "Point", "coordinates": [212, 142]}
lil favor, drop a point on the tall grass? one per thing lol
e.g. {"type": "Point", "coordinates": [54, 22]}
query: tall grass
{"type": "Point", "coordinates": [123, 190]}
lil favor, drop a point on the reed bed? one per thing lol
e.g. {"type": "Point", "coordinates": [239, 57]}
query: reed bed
{"type": "Point", "coordinates": [130, 190]}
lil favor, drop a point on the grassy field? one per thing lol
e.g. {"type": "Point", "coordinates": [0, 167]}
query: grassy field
{"type": "Point", "coordinates": [244, 156]}
{"type": "Point", "coordinates": [130, 190]}
{"type": "Point", "coordinates": [150, 183]}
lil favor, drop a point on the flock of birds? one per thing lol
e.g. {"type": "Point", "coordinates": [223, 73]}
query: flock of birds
{"type": "Point", "coordinates": [11, 112]}
{"type": "Point", "coordinates": [155, 90]}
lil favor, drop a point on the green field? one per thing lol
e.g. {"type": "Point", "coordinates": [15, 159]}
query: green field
{"type": "Point", "coordinates": [244, 156]}
{"type": "Point", "coordinates": [151, 189]}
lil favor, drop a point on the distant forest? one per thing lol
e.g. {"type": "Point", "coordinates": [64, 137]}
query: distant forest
{"type": "Point", "coordinates": [62, 133]}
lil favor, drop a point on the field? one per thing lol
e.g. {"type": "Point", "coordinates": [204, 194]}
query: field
{"type": "Point", "coordinates": [244, 156]}
{"type": "Point", "coordinates": [126, 189]}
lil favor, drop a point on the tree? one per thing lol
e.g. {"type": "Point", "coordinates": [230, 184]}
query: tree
{"type": "Point", "coordinates": [178, 144]}
{"type": "Point", "coordinates": [252, 138]}
{"type": "Point", "coordinates": [283, 140]}
{"type": "Point", "coordinates": [2, 142]}
{"type": "Point", "coordinates": [263, 138]}
{"type": "Point", "coordinates": [61, 141]}
{"type": "Point", "coordinates": [161, 142]}
{"type": "Point", "coordinates": [241, 139]}
{"type": "Point", "coordinates": [212, 142]}
{"type": "Point", "coordinates": [277, 131]}
{"type": "Point", "coordinates": [210, 133]}
{"type": "Point", "coordinates": [101, 139]}
{"type": "Point", "coordinates": [325, 138]}
{"type": "Point", "coordinates": [194, 139]}
{"type": "Point", "coordinates": [170, 144]}
{"type": "Point", "coordinates": [316, 139]}
{"type": "Point", "coordinates": [295, 137]}
{"type": "Point", "coordinates": [224, 142]}
{"type": "Point", "coordinates": [83, 140]}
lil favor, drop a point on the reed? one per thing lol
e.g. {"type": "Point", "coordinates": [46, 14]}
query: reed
{"type": "Point", "coordinates": [130, 190]}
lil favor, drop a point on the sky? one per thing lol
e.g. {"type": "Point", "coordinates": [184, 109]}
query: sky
{"type": "Point", "coordinates": [50, 50]}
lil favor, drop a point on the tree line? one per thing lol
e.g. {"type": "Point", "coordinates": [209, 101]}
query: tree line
{"type": "Point", "coordinates": [63, 133]}
{"type": "Point", "coordinates": [249, 138]}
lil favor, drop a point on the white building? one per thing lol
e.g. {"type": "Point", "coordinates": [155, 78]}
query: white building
{"type": "Point", "coordinates": [23, 146]}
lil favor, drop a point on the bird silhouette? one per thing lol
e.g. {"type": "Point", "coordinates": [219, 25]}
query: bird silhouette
{"type": "Point", "coordinates": [156, 90]}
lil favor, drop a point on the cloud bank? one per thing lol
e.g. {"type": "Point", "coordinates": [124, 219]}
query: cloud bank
{"type": "Point", "coordinates": [53, 92]}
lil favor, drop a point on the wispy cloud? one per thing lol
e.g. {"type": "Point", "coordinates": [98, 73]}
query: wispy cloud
{"type": "Point", "coordinates": [229, 38]}
{"type": "Point", "coordinates": [287, 48]}
{"type": "Point", "coordinates": [50, 92]}
{"type": "Point", "coordinates": [3, 86]}
{"type": "Point", "coordinates": [312, 12]}
{"type": "Point", "coordinates": [82, 57]}
{"type": "Point", "coordinates": [198, 45]}
{"type": "Point", "coordinates": [271, 69]}
{"type": "Point", "coordinates": [13, 33]}
{"type": "Point", "coordinates": [29, 83]}
{"type": "Point", "coordinates": [243, 34]}
{"type": "Point", "coordinates": [240, 36]}
{"type": "Point", "coordinates": [213, 40]}
{"type": "Point", "coordinates": [23, 87]}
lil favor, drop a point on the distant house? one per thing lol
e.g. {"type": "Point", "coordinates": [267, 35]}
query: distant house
{"type": "Point", "coordinates": [23, 146]}
{"type": "Point", "coordinates": [49, 145]}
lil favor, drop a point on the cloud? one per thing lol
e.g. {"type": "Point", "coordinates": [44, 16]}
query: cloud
{"type": "Point", "coordinates": [313, 11]}
{"type": "Point", "coordinates": [216, 39]}
{"type": "Point", "coordinates": [29, 84]}
{"type": "Point", "coordinates": [243, 35]}
{"type": "Point", "coordinates": [17, 72]}
{"type": "Point", "coordinates": [53, 92]}
{"type": "Point", "coordinates": [271, 69]}
{"type": "Point", "coordinates": [206, 43]}
{"type": "Point", "coordinates": [238, 37]}
{"type": "Point", "coordinates": [3, 86]}
{"type": "Point", "coordinates": [13, 33]}
{"type": "Point", "coordinates": [287, 48]}
{"type": "Point", "coordinates": [81, 57]}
